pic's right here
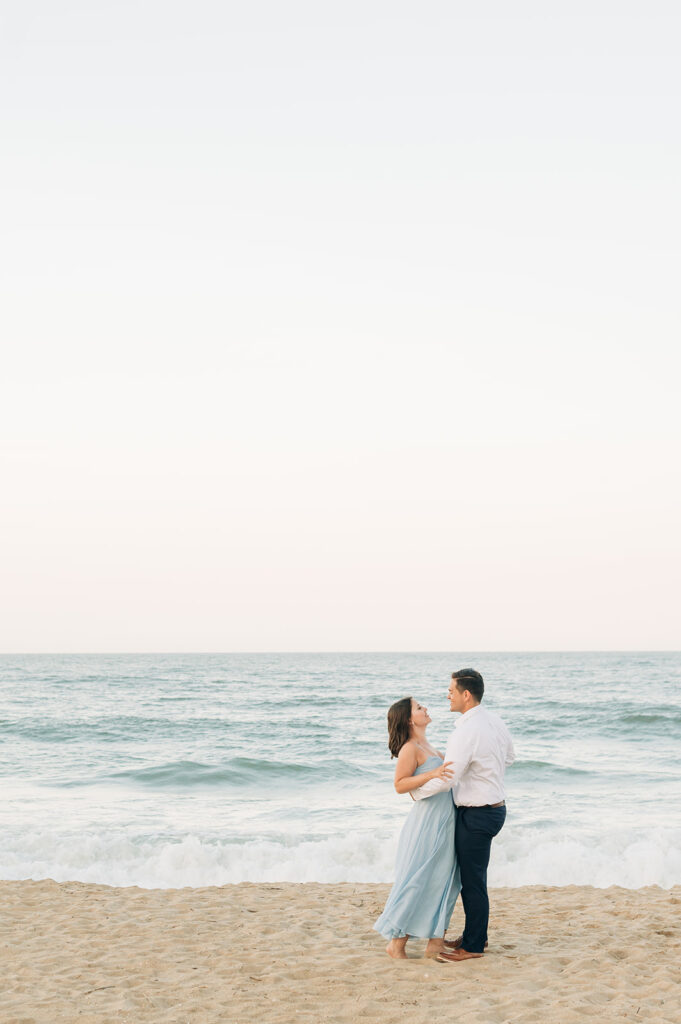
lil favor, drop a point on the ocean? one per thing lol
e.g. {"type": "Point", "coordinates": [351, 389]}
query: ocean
{"type": "Point", "coordinates": [174, 770]}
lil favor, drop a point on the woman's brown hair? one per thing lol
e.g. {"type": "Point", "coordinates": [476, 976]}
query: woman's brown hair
{"type": "Point", "coordinates": [398, 725]}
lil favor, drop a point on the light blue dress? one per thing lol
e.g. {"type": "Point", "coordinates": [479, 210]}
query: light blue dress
{"type": "Point", "coordinates": [427, 879]}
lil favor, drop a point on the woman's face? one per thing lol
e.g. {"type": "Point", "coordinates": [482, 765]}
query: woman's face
{"type": "Point", "coordinates": [419, 714]}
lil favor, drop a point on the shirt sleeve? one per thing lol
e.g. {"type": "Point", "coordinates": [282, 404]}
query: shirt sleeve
{"type": "Point", "coordinates": [510, 749]}
{"type": "Point", "coordinates": [459, 753]}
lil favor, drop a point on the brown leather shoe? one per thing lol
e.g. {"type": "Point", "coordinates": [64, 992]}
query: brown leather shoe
{"type": "Point", "coordinates": [457, 955]}
{"type": "Point", "coordinates": [456, 943]}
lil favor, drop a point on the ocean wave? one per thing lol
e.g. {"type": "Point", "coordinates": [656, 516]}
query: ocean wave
{"type": "Point", "coordinates": [110, 729]}
{"type": "Point", "coordinates": [545, 767]}
{"type": "Point", "coordinates": [239, 771]}
{"type": "Point", "coordinates": [654, 717]}
{"type": "Point", "coordinates": [626, 860]}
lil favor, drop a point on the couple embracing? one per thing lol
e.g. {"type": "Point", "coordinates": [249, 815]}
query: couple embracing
{"type": "Point", "coordinates": [445, 844]}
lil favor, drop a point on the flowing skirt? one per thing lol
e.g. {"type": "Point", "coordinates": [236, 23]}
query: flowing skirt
{"type": "Point", "coordinates": [427, 880]}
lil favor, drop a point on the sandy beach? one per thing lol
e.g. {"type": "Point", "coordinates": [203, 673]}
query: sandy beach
{"type": "Point", "coordinates": [284, 952]}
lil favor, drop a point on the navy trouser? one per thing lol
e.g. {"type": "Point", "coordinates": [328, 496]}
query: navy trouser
{"type": "Point", "coordinates": [476, 827]}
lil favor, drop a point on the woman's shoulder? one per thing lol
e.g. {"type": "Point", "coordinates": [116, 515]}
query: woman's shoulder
{"type": "Point", "coordinates": [408, 749]}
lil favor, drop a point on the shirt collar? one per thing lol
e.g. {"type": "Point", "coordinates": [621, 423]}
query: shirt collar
{"type": "Point", "coordinates": [466, 715]}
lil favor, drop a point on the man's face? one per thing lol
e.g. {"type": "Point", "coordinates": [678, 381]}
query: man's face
{"type": "Point", "coordinates": [456, 701]}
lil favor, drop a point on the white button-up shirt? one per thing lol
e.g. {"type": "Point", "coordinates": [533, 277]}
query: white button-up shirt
{"type": "Point", "coordinates": [480, 749]}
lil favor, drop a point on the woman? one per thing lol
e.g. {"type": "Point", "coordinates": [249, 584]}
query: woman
{"type": "Point", "coordinates": [426, 883]}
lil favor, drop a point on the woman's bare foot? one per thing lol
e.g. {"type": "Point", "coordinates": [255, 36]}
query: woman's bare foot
{"type": "Point", "coordinates": [396, 949]}
{"type": "Point", "coordinates": [434, 947]}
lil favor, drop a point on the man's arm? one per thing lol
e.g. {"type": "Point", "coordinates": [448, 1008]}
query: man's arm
{"type": "Point", "coordinates": [460, 757]}
{"type": "Point", "coordinates": [405, 780]}
{"type": "Point", "coordinates": [510, 750]}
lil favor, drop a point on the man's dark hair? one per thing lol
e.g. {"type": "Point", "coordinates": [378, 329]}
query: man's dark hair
{"type": "Point", "coordinates": [469, 679]}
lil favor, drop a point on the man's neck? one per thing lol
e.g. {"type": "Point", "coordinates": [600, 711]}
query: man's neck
{"type": "Point", "coordinates": [471, 708]}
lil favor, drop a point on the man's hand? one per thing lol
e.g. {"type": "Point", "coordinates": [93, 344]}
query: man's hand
{"type": "Point", "coordinates": [443, 772]}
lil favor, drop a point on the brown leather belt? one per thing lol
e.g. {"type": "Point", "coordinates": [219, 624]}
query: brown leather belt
{"type": "Point", "coordinates": [502, 803]}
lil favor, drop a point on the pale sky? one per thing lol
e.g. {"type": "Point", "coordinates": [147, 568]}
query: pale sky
{"type": "Point", "coordinates": [339, 326]}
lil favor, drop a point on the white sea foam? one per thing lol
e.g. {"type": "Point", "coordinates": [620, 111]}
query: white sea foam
{"type": "Point", "coordinates": [626, 860]}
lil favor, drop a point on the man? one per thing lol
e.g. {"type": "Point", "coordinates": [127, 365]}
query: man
{"type": "Point", "coordinates": [480, 749]}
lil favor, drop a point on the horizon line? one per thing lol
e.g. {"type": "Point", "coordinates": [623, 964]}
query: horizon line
{"type": "Point", "coordinates": [471, 650]}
